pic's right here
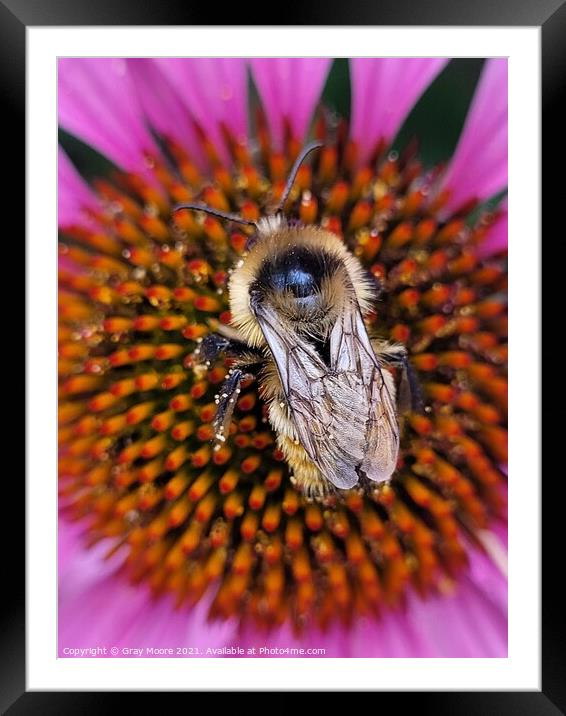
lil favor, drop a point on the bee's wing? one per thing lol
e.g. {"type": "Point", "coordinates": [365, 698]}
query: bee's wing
{"type": "Point", "coordinates": [338, 410]}
{"type": "Point", "coordinates": [353, 357]}
{"type": "Point", "coordinates": [324, 408]}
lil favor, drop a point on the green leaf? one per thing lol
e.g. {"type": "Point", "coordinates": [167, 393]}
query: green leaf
{"type": "Point", "coordinates": [438, 117]}
{"type": "Point", "coordinates": [337, 92]}
{"type": "Point", "coordinates": [254, 102]}
{"type": "Point", "coordinates": [90, 163]}
{"type": "Point", "coordinates": [489, 206]}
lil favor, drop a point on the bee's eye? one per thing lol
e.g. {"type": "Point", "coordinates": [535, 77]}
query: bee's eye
{"type": "Point", "coordinates": [299, 271]}
{"type": "Point", "coordinates": [296, 279]}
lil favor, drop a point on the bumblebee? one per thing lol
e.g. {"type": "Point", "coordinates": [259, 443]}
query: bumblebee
{"type": "Point", "coordinates": [297, 300]}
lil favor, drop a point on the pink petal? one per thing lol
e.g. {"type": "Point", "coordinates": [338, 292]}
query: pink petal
{"type": "Point", "coordinates": [98, 606]}
{"type": "Point", "coordinates": [384, 91]}
{"type": "Point", "coordinates": [470, 623]}
{"type": "Point", "coordinates": [478, 168]}
{"type": "Point", "coordinates": [214, 91]}
{"type": "Point", "coordinates": [290, 89]}
{"type": "Point", "coordinates": [496, 237]}
{"type": "Point", "coordinates": [97, 103]}
{"type": "Point", "coordinates": [163, 106]}
{"type": "Point", "coordinates": [73, 194]}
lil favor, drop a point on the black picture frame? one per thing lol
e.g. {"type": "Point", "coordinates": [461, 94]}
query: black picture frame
{"type": "Point", "coordinates": [550, 16]}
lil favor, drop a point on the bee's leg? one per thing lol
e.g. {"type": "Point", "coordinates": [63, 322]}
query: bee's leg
{"type": "Point", "coordinates": [214, 344]}
{"type": "Point", "coordinates": [226, 402]}
{"type": "Point", "coordinates": [247, 361]}
{"type": "Point", "coordinates": [209, 348]}
{"type": "Point", "coordinates": [410, 395]}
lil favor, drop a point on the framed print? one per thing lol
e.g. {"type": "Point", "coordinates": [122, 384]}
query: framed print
{"type": "Point", "coordinates": [268, 360]}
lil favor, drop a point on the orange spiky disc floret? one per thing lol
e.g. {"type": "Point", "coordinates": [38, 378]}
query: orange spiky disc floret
{"type": "Point", "coordinates": [136, 461]}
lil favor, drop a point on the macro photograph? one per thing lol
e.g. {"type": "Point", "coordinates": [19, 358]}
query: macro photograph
{"type": "Point", "coordinates": [283, 354]}
{"type": "Point", "coordinates": [282, 357]}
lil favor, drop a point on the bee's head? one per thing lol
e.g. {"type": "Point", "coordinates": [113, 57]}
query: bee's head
{"type": "Point", "coordinates": [299, 279]}
{"type": "Point", "coordinates": [301, 272]}
{"type": "Point", "coordinates": [298, 270]}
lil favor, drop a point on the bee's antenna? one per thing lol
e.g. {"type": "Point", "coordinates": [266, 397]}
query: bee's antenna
{"type": "Point", "coordinates": [215, 212]}
{"type": "Point", "coordinates": [293, 175]}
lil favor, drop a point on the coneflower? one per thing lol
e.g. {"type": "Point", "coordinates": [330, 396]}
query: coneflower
{"type": "Point", "coordinates": [216, 545]}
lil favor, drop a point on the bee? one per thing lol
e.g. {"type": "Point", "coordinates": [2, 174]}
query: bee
{"type": "Point", "coordinates": [297, 299]}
